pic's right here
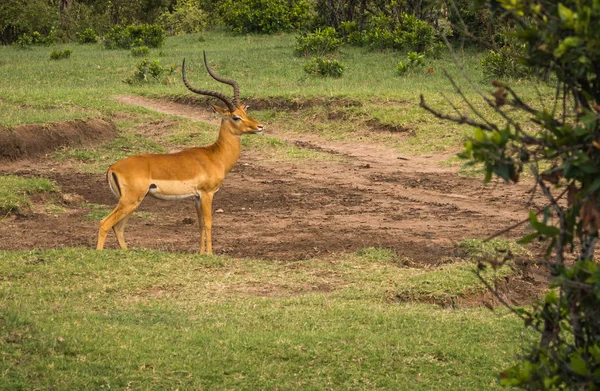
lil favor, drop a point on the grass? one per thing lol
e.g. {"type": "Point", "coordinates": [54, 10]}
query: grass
{"type": "Point", "coordinates": [478, 248]}
{"type": "Point", "coordinates": [84, 85]}
{"type": "Point", "coordinates": [99, 158]}
{"type": "Point", "coordinates": [14, 191]}
{"type": "Point", "coordinates": [81, 319]}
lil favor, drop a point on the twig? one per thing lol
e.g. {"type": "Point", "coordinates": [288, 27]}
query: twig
{"type": "Point", "coordinates": [505, 230]}
{"type": "Point", "coordinates": [460, 120]}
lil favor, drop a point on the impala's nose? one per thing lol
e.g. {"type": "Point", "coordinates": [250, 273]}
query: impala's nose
{"type": "Point", "coordinates": [260, 129]}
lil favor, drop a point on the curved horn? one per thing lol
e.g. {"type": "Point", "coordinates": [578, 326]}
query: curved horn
{"type": "Point", "coordinates": [214, 94]}
{"type": "Point", "coordinates": [236, 88]}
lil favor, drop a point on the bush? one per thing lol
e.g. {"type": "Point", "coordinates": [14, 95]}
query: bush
{"type": "Point", "coordinates": [411, 34]}
{"type": "Point", "coordinates": [319, 42]}
{"type": "Point", "coordinates": [186, 18]}
{"type": "Point", "coordinates": [264, 16]}
{"type": "Point", "coordinates": [25, 40]}
{"type": "Point", "coordinates": [140, 51]}
{"type": "Point", "coordinates": [120, 37]}
{"type": "Point", "coordinates": [414, 60]}
{"type": "Point", "coordinates": [60, 54]}
{"type": "Point", "coordinates": [402, 68]}
{"type": "Point", "coordinates": [324, 67]}
{"type": "Point", "coordinates": [351, 34]}
{"type": "Point", "coordinates": [87, 36]}
{"type": "Point", "coordinates": [151, 72]}
{"type": "Point", "coordinates": [502, 64]}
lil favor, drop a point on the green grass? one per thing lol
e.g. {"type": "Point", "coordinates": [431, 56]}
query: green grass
{"type": "Point", "coordinates": [478, 248]}
{"type": "Point", "coordinates": [98, 159]}
{"type": "Point", "coordinates": [14, 191]}
{"type": "Point", "coordinates": [81, 319]}
{"type": "Point", "coordinates": [84, 85]}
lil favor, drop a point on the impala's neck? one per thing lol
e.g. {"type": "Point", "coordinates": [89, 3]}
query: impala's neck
{"type": "Point", "coordinates": [227, 147]}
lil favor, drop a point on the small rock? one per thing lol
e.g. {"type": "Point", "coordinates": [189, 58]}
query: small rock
{"type": "Point", "coordinates": [219, 210]}
{"type": "Point", "coordinates": [60, 339]}
{"type": "Point", "coordinates": [73, 199]}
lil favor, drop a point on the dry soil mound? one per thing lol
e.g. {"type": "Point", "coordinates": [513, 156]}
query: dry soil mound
{"type": "Point", "coordinates": [37, 139]}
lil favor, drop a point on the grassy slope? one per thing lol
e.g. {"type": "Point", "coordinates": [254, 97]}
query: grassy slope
{"type": "Point", "coordinates": [79, 319]}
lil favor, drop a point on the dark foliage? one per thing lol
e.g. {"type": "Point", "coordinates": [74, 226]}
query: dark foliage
{"type": "Point", "coordinates": [562, 41]}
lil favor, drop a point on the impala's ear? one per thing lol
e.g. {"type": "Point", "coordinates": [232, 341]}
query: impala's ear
{"type": "Point", "coordinates": [246, 107]}
{"type": "Point", "coordinates": [222, 112]}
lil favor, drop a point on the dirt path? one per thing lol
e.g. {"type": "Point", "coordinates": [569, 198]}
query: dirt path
{"type": "Point", "coordinates": [292, 211]}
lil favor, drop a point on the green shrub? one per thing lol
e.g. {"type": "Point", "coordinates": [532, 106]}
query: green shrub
{"type": "Point", "coordinates": [402, 68]}
{"type": "Point", "coordinates": [502, 64]}
{"type": "Point", "coordinates": [186, 18]}
{"type": "Point", "coordinates": [410, 34]}
{"type": "Point", "coordinates": [319, 42]}
{"type": "Point", "coordinates": [436, 50]}
{"type": "Point", "coordinates": [140, 51]}
{"type": "Point", "coordinates": [87, 36]}
{"type": "Point", "coordinates": [415, 59]}
{"type": "Point", "coordinates": [121, 37]}
{"type": "Point", "coordinates": [151, 72]}
{"type": "Point", "coordinates": [60, 54]}
{"type": "Point", "coordinates": [25, 40]}
{"type": "Point", "coordinates": [264, 16]}
{"type": "Point", "coordinates": [350, 34]}
{"type": "Point", "coordinates": [324, 67]}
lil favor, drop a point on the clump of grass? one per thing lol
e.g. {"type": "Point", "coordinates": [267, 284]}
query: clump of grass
{"type": "Point", "coordinates": [139, 51]}
{"type": "Point", "coordinates": [478, 248]}
{"type": "Point", "coordinates": [446, 283]}
{"type": "Point", "coordinates": [14, 192]}
{"type": "Point", "coordinates": [60, 54]}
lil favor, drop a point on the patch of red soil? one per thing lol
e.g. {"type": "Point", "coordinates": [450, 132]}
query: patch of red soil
{"type": "Point", "coordinates": [38, 139]}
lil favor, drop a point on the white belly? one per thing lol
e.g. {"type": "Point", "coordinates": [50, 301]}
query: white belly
{"type": "Point", "coordinates": [173, 190]}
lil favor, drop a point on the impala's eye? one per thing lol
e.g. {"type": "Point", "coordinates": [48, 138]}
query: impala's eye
{"type": "Point", "coordinates": [236, 117]}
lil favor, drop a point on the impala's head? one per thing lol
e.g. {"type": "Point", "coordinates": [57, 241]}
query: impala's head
{"type": "Point", "coordinates": [237, 121]}
{"type": "Point", "coordinates": [234, 116]}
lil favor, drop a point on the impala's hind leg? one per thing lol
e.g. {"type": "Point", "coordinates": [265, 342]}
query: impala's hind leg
{"type": "Point", "coordinates": [117, 219]}
{"type": "Point", "coordinates": [119, 230]}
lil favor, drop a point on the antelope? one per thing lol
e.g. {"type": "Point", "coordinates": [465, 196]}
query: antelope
{"type": "Point", "coordinates": [196, 172]}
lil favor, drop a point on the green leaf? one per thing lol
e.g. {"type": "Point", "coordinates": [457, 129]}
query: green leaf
{"type": "Point", "coordinates": [552, 297]}
{"type": "Point", "coordinates": [566, 15]}
{"type": "Point", "coordinates": [542, 228]}
{"type": "Point", "coordinates": [593, 187]}
{"type": "Point", "coordinates": [479, 135]}
{"type": "Point", "coordinates": [528, 238]}
{"type": "Point", "coordinates": [579, 365]}
{"type": "Point", "coordinates": [566, 44]}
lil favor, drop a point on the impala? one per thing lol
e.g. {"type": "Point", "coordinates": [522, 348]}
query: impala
{"type": "Point", "coordinates": [192, 173]}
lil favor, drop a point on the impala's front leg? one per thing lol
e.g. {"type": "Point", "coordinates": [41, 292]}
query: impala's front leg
{"type": "Point", "coordinates": [198, 200]}
{"type": "Point", "coordinates": [206, 205]}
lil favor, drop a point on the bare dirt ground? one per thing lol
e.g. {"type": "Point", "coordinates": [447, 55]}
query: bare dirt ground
{"type": "Point", "coordinates": [292, 211]}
